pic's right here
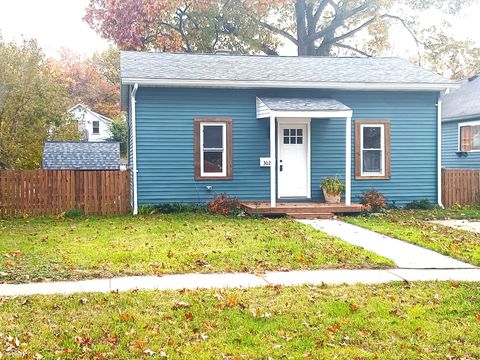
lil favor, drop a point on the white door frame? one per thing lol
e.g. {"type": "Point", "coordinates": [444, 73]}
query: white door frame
{"type": "Point", "coordinates": [293, 122]}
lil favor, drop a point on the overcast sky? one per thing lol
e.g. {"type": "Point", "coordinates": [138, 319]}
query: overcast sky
{"type": "Point", "coordinates": [58, 23]}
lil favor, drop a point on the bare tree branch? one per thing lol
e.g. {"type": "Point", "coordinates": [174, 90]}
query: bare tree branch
{"type": "Point", "coordinates": [353, 31]}
{"type": "Point", "coordinates": [321, 7]}
{"type": "Point", "coordinates": [339, 20]}
{"type": "Point", "coordinates": [277, 31]}
{"type": "Point", "coordinates": [348, 47]}
{"type": "Point", "coordinates": [414, 36]}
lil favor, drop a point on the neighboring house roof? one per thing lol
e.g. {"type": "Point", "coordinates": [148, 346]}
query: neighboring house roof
{"type": "Point", "coordinates": [85, 108]}
{"type": "Point", "coordinates": [303, 104]}
{"type": "Point", "coordinates": [463, 103]}
{"type": "Point", "coordinates": [255, 71]}
{"type": "Point", "coordinates": [76, 155]}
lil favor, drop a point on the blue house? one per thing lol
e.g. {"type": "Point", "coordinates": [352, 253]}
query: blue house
{"type": "Point", "coordinates": [461, 126]}
{"type": "Point", "coordinates": [269, 129]}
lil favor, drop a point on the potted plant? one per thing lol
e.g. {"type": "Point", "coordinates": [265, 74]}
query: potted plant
{"type": "Point", "coordinates": [332, 189]}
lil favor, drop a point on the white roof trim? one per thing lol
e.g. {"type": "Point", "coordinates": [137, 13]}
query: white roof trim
{"type": "Point", "coordinates": [463, 117]}
{"type": "Point", "coordinates": [313, 114]}
{"type": "Point", "coordinates": [100, 116]}
{"type": "Point", "coordinates": [290, 84]}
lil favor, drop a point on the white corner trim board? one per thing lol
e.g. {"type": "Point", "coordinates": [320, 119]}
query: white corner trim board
{"type": "Point", "coordinates": [134, 146]}
{"type": "Point", "coordinates": [439, 151]}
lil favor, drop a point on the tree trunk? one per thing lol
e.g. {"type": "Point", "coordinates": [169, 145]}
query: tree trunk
{"type": "Point", "coordinates": [301, 27]}
{"type": "Point", "coordinates": [306, 26]}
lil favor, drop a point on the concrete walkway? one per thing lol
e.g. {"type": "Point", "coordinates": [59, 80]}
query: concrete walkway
{"type": "Point", "coordinates": [238, 280]}
{"type": "Point", "coordinates": [405, 255]}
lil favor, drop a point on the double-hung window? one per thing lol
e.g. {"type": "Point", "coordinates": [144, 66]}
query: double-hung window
{"type": "Point", "coordinates": [469, 137]}
{"type": "Point", "coordinates": [213, 149]}
{"type": "Point", "coordinates": [372, 149]}
{"type": "Point", "coordinates": [95, 127]}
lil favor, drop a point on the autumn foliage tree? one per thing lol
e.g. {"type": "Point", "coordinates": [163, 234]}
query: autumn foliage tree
{"type": "Point", "coordinates": [170, 25]}
{"type": "Point", "coordinates": [92, 81]}
{"type": "Point", "coordinates": [314, 27]}
{"type": "Point", "coordinates": [32, 105]}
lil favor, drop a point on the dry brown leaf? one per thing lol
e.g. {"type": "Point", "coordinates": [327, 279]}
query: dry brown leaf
{"type": "Point", "coordinates": [180, 304]}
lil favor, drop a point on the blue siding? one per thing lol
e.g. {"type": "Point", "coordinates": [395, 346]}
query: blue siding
{"type": "Point", "coordinates": [165, 143]}
{"type": "Point", "coordinates": [450, 159]}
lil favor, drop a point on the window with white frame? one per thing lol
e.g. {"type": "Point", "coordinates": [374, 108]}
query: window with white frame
{"type": "Point", "coordinates": [95, 127]}
{"type": "Point", "coordinates": [372, 149]}
{"type": "Point", "coordinates": [213, 155]}
{"type": "Point", "coordinates": [469, 137]}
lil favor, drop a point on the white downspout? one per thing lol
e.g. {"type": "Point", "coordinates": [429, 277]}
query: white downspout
{"type": "Point", "coordinates": [273, 164]}
{"type": "Point", "coordinates": [348, 161]}
{"type": "Point", "coordinates": [439, 150]}
{"type": "Point", "coordinates": [134, 146]}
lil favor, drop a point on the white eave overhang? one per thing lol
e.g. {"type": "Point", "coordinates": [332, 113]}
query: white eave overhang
{"type": "Point", "coordinates": [462, 117]}
{"type": "Point", "coordinates": [244, 84]}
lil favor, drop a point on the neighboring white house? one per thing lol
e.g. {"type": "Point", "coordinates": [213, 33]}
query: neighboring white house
{"type": "Point", "coordinates": [94, 126]}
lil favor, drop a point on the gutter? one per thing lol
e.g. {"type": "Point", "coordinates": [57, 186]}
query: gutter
{"type": "Point", "coordinates": [134, 147]}
{"type": "Point", "coordinates": [439, 150]}
{"type": "Point", "coordinates": [252, 84]}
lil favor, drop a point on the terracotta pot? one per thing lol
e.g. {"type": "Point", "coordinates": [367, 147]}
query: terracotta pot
{"type": "Point", "coordinates": [331, 198]}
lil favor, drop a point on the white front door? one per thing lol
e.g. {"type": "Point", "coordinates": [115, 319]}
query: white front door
{"type": "Point", "coordinates": [293, 166]}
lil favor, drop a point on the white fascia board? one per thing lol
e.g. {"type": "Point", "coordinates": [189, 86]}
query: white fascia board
{"type": "Point", "coordinates": [462, 118]}
{"type": "Point", "coordinates": [245, 84]}
{"type": "Point", "coordinates": [313, 114]}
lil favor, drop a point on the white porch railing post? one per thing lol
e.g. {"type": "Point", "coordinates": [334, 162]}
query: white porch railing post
{"type": "Point", "coordinates": [348, 161]}
{"type": "Point", "coordinates": [273, 164]}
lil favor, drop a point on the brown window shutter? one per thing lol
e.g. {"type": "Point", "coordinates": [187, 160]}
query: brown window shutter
{"type": "Point", "coordinates": [465, 138]}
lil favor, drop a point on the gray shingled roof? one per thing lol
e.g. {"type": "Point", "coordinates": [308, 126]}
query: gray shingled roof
{"type": "Point", "coordinates": [163, 66]}
{"type": "Point", "coordinates": [463, 102]}
{"type": "Point", "coordinates": [302, 104]}
{"type": "Point", "coordinates": [64, 155]}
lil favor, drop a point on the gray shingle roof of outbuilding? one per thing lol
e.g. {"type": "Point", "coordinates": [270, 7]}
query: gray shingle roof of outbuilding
{"type": "Point", "coordinates": [65, 155]}
{"type": "Point", "coordinates": [149, 65]}
{"type": "Point", "coordinates": [463, 102]}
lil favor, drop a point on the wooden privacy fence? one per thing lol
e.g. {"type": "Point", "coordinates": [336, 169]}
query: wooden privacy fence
{"type": "Point", "coordinates": [460, 186]}
{"type": "Point", "coordinates": [47, 192]}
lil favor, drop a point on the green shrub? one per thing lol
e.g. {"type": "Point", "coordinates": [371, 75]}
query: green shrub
{"type": "Point", "coordinates": [423, 204]}
{"type": "Point", "coordinates": [73, 213]}
{"type": "Point", "coordinates": [171, 208]}
{"type": "Point", "coordinates": [373, 201]}
{"type": "Point", "coordinates": [332, 185]}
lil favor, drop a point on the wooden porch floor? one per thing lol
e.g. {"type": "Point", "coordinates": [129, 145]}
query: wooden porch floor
{"type": "Point", "coordinates": [303, 210]}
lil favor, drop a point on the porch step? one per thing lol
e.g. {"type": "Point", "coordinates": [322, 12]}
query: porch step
{"type": "Point", "coordinates": [311, 215]}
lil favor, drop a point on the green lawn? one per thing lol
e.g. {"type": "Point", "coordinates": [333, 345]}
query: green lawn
{"type": "Point", "coordinates": [53, 249]}
{"type": "Point", "coordinates": [394, 321]}
{"type": "Point", "coordinates": [412, 226]}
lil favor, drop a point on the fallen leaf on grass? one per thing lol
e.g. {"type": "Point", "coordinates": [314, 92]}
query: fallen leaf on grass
{"type": "Point", "coordinates": [9, 263]}
{"type": "Point", "coordinates": [477, 316]}
{"type": "Point", "coordinates": [354, 307]}
{"type": "Point", "coordinates": [139, 344]}
{"type": "Point", "coordinates": [180, 304]}
{"type": "Point", "coordinates": [125, 317]}
{"type": "Point", "coordinates": [149, 352]}
{"type": "Point", "coordinates": [232, 301]}
{"type": "Point", "coordinates": [189, 316]}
